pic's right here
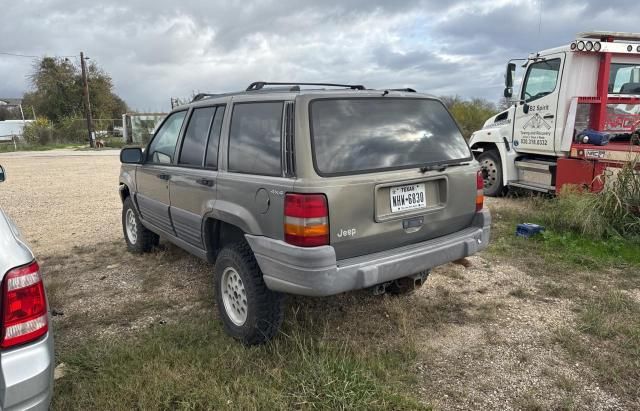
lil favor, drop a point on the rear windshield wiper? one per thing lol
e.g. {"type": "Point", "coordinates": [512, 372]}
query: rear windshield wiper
{"type": "Point", "coordinates": [441, 167]}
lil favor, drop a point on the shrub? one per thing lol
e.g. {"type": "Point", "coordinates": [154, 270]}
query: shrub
{"type": "Point", "coordinates": [469, 114]}
{"type": "Point", "coordinates": [38, 132]}
{"type": "Point", "coordinates": [613, 212]}
{"type": "Point", "coordinates": [71, 130]}
{"type": "Point", "coordinates": [620, 202]}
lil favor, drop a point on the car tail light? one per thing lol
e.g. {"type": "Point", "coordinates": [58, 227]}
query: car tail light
{"type": "Point", "coordinates": [306, 220]}
{"type": "Point", "coordinates": [24, 306]}
{"type": "Point", "coordinates": [479, 191]}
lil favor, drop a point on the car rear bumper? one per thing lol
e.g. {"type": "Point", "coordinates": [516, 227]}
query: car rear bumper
{"type": "Point", "coordinates": [316, 272]}
{"type": "Point", "coordinates": [27, 376]}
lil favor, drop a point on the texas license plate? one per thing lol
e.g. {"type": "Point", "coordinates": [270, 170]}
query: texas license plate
{"type": "Point", "coordinates": [409, 197]}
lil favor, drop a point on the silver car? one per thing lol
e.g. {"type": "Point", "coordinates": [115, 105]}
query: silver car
{"type": "Point", "coordinates": [26, 343]}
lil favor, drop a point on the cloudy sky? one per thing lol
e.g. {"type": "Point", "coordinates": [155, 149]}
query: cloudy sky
{"type": "Point", "coordinates": [156, 49]}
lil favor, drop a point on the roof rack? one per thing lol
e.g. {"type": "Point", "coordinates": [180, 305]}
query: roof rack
{"type": "Point", "coordinates": [201, 96]}
{"type": "Point", "coordinates": [259, 85]}
{"type": "Point", "coordinates": [407, 90]}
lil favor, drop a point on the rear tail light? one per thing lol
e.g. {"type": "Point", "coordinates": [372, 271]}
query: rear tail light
{"type": "Point", "coordinates": [24, 306]}
{"type": "Point", "coordinates": [479, 191]}
{"type": "Point", "coordinates": [306, 220]}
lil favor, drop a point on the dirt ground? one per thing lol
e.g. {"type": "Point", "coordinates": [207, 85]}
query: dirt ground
{"type": "Point", "coordinates": [484, 348]}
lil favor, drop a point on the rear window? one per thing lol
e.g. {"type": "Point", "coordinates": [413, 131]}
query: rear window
{"type": "Point", "coordinates": [353, 136]}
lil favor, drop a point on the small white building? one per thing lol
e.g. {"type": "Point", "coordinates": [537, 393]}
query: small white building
{"type": "Point", "coordinates": [11, 130]}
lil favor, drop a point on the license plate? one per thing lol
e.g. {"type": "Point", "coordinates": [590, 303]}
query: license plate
{"type": "Point", "coordinates": [409, 197]}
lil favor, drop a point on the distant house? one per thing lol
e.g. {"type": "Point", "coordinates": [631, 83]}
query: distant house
{"type": "Point", "coordinates": [10, 101]}
{"type": "Point", "coordinates": [10, 130]}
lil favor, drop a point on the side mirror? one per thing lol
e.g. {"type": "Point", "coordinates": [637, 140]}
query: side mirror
{"type": "Point", "coordinates": [510, 75]}
{"type": "Point", "coordinates": [2, 174]}
{"type": "Point", "coordinates": [508, 92]}
{"type": "Point", "coordinates": [525, 108]}
{"type": "Point", "coordinates": [131, 155]}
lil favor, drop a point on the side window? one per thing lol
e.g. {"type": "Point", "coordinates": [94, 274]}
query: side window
{"type": "Point", "coordinates": [195, 138]}
{"type": "Point", "coordinates": [541, 79]}
{"type": "Point", "coordinates": [163, 146]}
{"type": "Point", "coordinates": [214, 139]}
{"type": "Point", "coordinates": [255, 138]}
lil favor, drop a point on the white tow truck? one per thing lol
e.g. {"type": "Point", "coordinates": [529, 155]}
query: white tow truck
{"type": "Point", "coordinates": [576, 118]}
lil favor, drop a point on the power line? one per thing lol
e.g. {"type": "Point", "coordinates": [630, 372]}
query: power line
{"type": "Point", "coordinates": [27, 56]}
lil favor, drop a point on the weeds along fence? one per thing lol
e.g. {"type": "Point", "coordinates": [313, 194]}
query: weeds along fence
{"type": "Point", "coordinates": [42, 132]}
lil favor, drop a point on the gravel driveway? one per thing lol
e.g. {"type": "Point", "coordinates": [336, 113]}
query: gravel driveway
{"type": "Point", "coordinates": [63, 198]}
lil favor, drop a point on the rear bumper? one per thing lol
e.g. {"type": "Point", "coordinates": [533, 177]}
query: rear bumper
{"type": "Point", "coordinates": [316, 272]}
{"type": "Point", "coordinates": [27, 376]}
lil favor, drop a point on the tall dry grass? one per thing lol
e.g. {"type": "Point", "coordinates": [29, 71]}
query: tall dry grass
{"type": "Point", "coordinates": [613, 212]}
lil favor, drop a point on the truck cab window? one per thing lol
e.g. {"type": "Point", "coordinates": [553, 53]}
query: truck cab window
{"type": "Point", "coordinates": [541, 79]}
{"type": "Point", "coordinates": [624, 78]}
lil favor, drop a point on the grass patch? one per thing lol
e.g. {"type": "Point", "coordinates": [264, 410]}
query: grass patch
{"type": "Point", "coordinates": [590, 269]}
{"type": "Point", "coordinates": [558, 250]}
{"type": "Point", "coordinates": [565, 383]}
{"type": "Point", "coordinates": [608, 340]}
{"type": "Point", "coordinates": [528, 402]}
{"type": "Point", "coordinates": [555, 290]}
{"type": "Point", "coordinates": [193, 365]}
{"type": "Point", "coordinates": [592, 253]}
{"type": "Point", "coordinates": [613, 315]}
{"type": "Point", "coordinates": [520, 292]}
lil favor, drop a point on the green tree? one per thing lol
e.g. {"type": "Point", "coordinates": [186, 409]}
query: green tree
{"type": "Point", "coordinates": [470, 114]}
{"type": "Point", "coordinates": [57, 91]}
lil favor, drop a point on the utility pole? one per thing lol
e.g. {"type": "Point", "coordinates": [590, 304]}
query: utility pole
{"type": "Point", "coordinates": [87, 103]}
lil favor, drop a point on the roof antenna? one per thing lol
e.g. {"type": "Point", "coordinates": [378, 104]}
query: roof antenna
{"type": "Point", "coordinates": [539, 20]}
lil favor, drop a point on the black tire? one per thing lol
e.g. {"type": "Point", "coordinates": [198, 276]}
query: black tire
{"type": "Point", "coordinates": [492, 173]}
{"type": "Point", "coordinates": [264, 308]}
{"type": "Point", "coordinates": [141, 240]}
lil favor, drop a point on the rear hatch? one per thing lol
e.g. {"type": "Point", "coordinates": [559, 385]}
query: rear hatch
{"type": "Point", "coordinates": [395, 171]}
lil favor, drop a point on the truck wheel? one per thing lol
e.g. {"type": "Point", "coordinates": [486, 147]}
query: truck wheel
{"type": "Point", "coordinates": [139, 239]}
{"type": "Point", "coordinates": [491, 173]}
{"type": "Point", "coordinates": [250, 311]}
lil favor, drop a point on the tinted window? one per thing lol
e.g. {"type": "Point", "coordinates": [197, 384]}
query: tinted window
{"type": "Point", "coordinates": [195, 138]}
{"type": "Point", "coordinates": [254, 138]}
{"type": "Point", "coordinates": [163, 146]}
{"type": "Point", "coordinates": [359, 135]}
{"type": "Point", "coordinates": [541, 79]}
{"type": "Point", "coordinates": [214, 139]}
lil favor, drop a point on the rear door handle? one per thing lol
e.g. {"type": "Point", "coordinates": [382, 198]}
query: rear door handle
{"type": "Point", "coordinates": [205, 182]}
{"type": "Point", "coordinates": [164, 176]}
{"type": "Point", "coordinates": [548, 117]}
